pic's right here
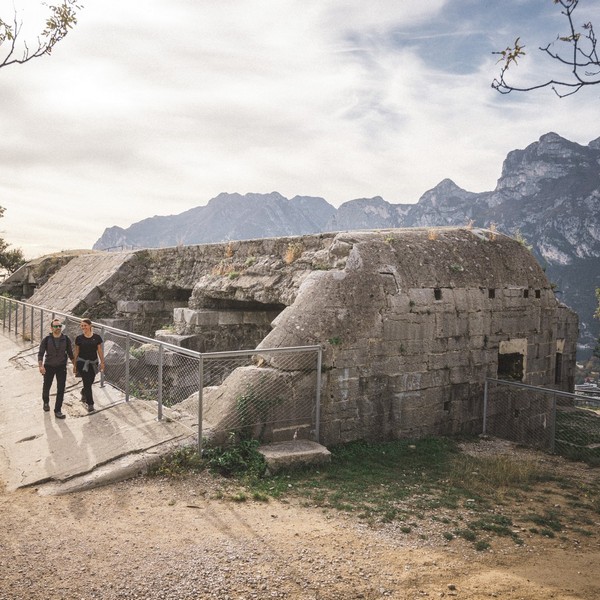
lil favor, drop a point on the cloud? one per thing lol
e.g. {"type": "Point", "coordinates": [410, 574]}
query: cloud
{"type": "Point", "coordinates": [156, 110]}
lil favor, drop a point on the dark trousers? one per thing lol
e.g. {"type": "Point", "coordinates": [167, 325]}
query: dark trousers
{"type": "Point", "coordinates": [87, 378]}
{"type": "Point", "coordinates": [61, 379]}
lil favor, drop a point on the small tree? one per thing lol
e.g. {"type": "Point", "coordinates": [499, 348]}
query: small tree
{"type": "Point", "coordinates": [576, 51]}
{"type": "Point", "coordinates": [62, 17]}
{"type": "Point", "coordinates": [10, 260]}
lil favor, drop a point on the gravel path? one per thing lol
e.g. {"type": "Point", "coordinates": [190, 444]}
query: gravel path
{"type": "Point", "coordinates": [172, 539]}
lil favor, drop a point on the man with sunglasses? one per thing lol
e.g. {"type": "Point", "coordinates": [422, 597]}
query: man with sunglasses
{"type": "Point", "coordinates": [52, 361]}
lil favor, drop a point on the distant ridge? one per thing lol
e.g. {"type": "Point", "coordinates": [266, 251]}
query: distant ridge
{"type": "Point", "coordinates": [549, 193]}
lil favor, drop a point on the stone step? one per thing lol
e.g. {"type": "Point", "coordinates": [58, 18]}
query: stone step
{"type": "Point", "coordinates": [294, 454]}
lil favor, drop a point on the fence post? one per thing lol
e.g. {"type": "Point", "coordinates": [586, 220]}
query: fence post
{"type": "Point", "coordinates": [160, 382]}
{"type": "Point", "coordinates": [3, 312]}
{"type": "Point", "coordinates": [200, 395]}
{"type": "Point", "coordinates": [318, 396]}
{"type": "Point", "coordinates": [32, 332]}
{"type": "Point", "coordinates": [485, 406]}
{"type": "Point", "coordinates": [127, 343]}
{"type": "Point", "coordinates": [16, 318]}
{"type": "Point", "coordinates": [42, 324]}
{"type": "Point", "coordinates": [24, 323]}
{"type": "Point", "coordinates": [553, 425]}
{"type": "Point", "coordinates": [102, 334]}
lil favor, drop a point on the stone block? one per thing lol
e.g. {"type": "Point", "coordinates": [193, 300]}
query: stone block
{"type": "Point", "coordinates": [256, 317]}
{"type": "Point", "coordinates": [151, 306]}
{"type": "Point", "coordinates": [206, 318]}
{"type": "Point", "coordinates": [422, 297]}
{"type": "Point", "coordinates": [231, 317]}
{"type": "Point", "coordinates": [447, 325]}
{"type": "Point", "coordinates": [170, 359]}
{"type": "Point", "coordinates": [184, 341]}
{"type": "Point", "coordinates": [123, 324]}
{"type": "Point", "coordinates": [128, 306]}
{"type": "Point", "coordinates": [434, 378]}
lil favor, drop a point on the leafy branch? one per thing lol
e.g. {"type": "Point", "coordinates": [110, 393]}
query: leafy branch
{"type": "Point", "coordinates": [61, 19]}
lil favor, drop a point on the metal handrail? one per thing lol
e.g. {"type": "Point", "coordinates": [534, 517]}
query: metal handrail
{"type": "Point", "coordinates": [162, 347]}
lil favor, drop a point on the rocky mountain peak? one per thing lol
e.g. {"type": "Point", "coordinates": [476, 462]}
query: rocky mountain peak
{"type": "Point", "coordinates": [549, 192]}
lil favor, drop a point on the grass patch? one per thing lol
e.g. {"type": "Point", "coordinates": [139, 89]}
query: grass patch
{"type": "Point", "coordinates": [411, 482]}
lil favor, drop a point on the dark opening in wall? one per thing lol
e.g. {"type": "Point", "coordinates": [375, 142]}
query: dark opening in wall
{"type": "Point", "coordinates": [558, 368]}
{"type": "Point", "coordinates": [538, 293]}
{"type": "Point", "coordinates": [491, 293]}
{"type": "Point", "coordinates": [174, 294]}
{"type": "Point", "coordinates": [437, 293]}
{"type": "Point", "coordinates": [525, 293]}
{"type": "Point", "coordinates": [231, 304]}
{"type": "Point", "coordinates": [510, 366]}
{"type": "Point", "coordinates": [447, 405]}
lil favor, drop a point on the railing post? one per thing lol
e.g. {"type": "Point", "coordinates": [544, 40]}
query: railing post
{"type": "Point", "coordinates": [3, 312]}
{"type": "Point", "coordinates": [127, 344]}
{"type": "Point", "coordinates": [102, 334]}
{"type": "Point", "coordinates": [41, 324]}
{"type": "Point", "coordinates": [32, 332]}
{"type": "Point", "coordinates": [553, 425]}
{"type": "Point", "coordinates": [24, 324]}
{"type": "Point", "coordinates": [16, 318]}
{"type": "Point", "coordinates": [10, 315]}
{"type": "Point", "coordinates": [200, 399]}
{"type": "Point", "coordinates": [318, 396]}
{"type": "Point", "coordinates": [485, 406]}
{"type": "Point", "coordinates": [160, 382]}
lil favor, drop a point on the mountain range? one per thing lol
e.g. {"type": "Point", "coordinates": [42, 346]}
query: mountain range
{"type": "Point", "coordinates": [548, 194]}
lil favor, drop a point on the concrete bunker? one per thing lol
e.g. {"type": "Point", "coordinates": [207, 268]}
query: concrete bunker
{"type": "Point", "coordinates": [411, 323]}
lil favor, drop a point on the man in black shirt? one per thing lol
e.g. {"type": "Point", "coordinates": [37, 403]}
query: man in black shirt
{"type": "Point", "coordinates": [55, 347]}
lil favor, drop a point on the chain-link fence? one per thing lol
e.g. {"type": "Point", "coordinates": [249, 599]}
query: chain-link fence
{"type": "Point", "coordinates": [551, 420]}
{"type": "Point", "coordinates": [267, 394]}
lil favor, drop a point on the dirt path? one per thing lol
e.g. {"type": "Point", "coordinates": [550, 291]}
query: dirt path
{"type": "Point", "coordinates": [175, 539]}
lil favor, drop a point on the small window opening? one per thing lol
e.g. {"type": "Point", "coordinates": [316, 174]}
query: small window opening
{"type": "Point", "coordinates": [447, 405]}
{"type": "Point", "coordinates": [558, 368]}
{"type": "Point", "coordinates": [437, 293]}
{"type": "Point", "coordinates": [491, 293]}
{"type": "Point", "coordinates": [510, 366]}
{"type": "Point", "coordinates": [538, 293]}
{"type": "Point", "coordinates": [525, 293]}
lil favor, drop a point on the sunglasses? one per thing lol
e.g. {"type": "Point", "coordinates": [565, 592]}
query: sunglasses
{"type": "Point", "coordinates": [56, 326]}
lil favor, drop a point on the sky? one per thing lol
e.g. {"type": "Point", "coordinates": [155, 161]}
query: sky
{"type": "Point", "coordinates": [154, 108]}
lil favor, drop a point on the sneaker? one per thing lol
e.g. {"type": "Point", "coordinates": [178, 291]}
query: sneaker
{"type": "Point", "coordinates": [59, 415]}
{"type": "Point", "coordinates": [46, 406]}
{"type": "Point", "coordinates": [90, 408]}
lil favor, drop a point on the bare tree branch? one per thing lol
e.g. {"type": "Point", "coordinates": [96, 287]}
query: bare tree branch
{"type": "Point", "coordinates": [580, 55]}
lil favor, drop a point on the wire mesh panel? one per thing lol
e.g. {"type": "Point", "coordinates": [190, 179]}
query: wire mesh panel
{"type": "Point", "coordinates": [578, 430]}
{"type": "Point", "coordinates": [264, 395]}
{"type": "Point", "coordinates": [551, 420]}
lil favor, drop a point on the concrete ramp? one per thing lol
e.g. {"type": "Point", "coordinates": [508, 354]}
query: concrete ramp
{"type": "Point", "coordinates": [80, 281]}
{"type": "Point", "coordinates": [84, 450]}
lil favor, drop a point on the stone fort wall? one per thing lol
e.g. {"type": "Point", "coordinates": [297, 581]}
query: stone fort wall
{"type": "Point", "coordinates": [411, 321]}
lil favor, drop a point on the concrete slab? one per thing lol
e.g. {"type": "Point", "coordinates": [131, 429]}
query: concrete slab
{"type": "Point", "coordinates": [82, 450]}
{"type": "Point", "coordinates": [294, 454]}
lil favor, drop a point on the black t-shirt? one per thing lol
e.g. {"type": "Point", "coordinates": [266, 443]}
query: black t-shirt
{"type": "Point", "coordinates": [88, 347]}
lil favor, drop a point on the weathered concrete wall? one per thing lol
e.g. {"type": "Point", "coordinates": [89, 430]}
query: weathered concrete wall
{"type": "Point", "coordinates": [412, 321]}
{"type": "Point", "coordinates": [413, 326]}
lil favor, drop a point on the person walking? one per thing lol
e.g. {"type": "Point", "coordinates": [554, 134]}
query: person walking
{"type": "Point", "coordinates": [52, 361]}
{"type": "Point", "coordinates": [89, 358]}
